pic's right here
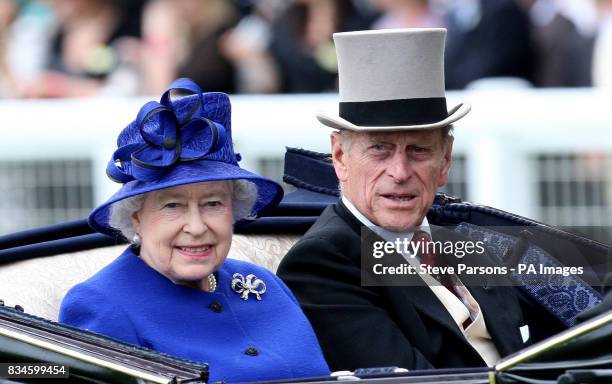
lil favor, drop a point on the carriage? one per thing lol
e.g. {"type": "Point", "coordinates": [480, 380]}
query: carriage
{"type": "Point", "coordinates": [38, 266]}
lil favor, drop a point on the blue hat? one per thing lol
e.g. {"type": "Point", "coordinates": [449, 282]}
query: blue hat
{"type": "Point", "coordinates": [175, 143]}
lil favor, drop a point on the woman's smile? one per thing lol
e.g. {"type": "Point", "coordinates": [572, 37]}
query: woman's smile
{"type": "Point", "coordinates": [197, 251]}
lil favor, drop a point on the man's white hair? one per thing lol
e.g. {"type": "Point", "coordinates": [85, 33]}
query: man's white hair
{"type": "Point", "coordinates": [244, 196]}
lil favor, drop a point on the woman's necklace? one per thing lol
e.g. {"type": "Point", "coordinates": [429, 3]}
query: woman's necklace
{"type": "Point", "coordinates": [212, 283]}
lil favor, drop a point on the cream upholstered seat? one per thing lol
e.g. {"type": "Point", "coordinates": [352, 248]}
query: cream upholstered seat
{"type": "Point", "coordinates": [39, 285]}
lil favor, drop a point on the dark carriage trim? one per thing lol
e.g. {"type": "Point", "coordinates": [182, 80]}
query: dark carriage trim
{"type": "Point", "coordinates": [88, 344]}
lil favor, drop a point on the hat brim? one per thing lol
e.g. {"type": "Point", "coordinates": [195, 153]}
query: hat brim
{"type": "Point", "coordinates": [269, 193]}
{"type": "Point", "coordinates": [338, 122]}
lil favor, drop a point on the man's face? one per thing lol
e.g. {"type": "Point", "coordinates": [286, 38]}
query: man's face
{"type": "Point", "coordinates": [392, 177]}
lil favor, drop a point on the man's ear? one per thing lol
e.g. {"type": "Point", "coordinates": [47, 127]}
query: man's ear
{"type": "Point", "coordinates": [446, 162]}
{"type": "Point", "coordinates": [338, 156]}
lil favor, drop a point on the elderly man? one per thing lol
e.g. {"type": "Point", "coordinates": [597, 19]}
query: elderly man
{"type": "Point", "coordinates": [391, 152]}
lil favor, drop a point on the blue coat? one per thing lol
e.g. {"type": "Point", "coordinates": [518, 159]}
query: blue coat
{"type": "Point", "coordinates": [240, 340]}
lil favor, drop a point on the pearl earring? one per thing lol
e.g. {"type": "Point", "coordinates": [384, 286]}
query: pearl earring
{"type": "Point", "coordinates": [136, 239]}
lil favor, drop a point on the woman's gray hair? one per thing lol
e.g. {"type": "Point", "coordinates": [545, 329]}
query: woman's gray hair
{"type": "Point", "coordinates": [244, 196]}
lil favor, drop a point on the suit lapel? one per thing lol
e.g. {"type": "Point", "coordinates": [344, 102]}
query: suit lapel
{"type": "Point", "coordinates": [419, 294]}
{"type": "Point", "coordinates": [426, 302]}
{"type": "Point", "coordinates": [493, 300]}
{"type": "Point", "coordinates": [502, 317]}
{"type": "Point", "coordinates": [494, 295]}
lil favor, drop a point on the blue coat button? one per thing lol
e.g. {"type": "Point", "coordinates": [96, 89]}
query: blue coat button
{"type": "Point", "coordinates": [251, 351]}
{"type": "Point", "coordinates": [216, 307]}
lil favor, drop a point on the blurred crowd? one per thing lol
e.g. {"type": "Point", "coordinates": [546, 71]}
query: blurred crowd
{"type": "Point", "coordinates": [77, 48]}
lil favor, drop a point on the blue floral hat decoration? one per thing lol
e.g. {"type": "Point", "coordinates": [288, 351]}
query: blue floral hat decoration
{"type": "Point", "coordinates": [175, 143]}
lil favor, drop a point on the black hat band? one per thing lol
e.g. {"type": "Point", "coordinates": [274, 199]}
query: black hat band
{"type": "Point", "coordinates": [399, 112]}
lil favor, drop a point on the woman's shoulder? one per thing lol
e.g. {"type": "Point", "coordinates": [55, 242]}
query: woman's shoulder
{"type": "Point", "coordinates": [124, 264]}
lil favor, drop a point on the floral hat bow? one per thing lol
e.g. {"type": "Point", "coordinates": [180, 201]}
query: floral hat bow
{"type": "Point", "coordinates": [168, 136]}
{"type": "Point", "coordinates": [178, 142]}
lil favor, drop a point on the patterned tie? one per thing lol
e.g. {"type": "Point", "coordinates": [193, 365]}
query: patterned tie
{"type": "Point", "coordinates": [428, 256]}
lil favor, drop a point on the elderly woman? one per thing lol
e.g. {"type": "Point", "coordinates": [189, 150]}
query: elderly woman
{"type": "Point", "coordinates": [173, 290]}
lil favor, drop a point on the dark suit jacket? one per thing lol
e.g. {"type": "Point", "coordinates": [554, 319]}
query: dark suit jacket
{"type": "Point", "coordinates": [368, 326]}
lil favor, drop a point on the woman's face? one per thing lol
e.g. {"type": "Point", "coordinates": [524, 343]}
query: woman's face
{"type": "Point", "coordinates": [186, 231]}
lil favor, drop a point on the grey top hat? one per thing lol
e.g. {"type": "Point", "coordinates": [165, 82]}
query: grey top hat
{"type": "Point", "coordinates": [392, 80]}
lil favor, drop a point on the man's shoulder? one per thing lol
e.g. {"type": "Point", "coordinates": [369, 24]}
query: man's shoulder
{"type": "Point", "coordinates": [333, 226]}
{"type": "Point", "coordinates": [332, 234]}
